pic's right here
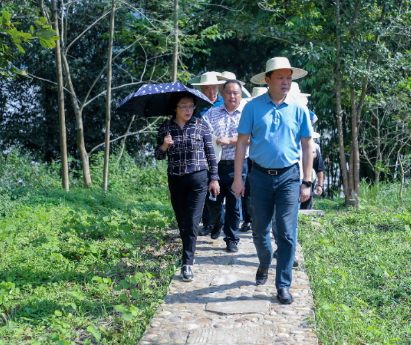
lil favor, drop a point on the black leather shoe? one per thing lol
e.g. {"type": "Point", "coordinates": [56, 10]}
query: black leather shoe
{"type": "Point", "coordinates": [206, 230]}
{"type": "Point", "coordinates": [216, 231]}
{"type": "Point", "coordinates": [295, 264]}
{"type": "Point", "coordinates": [284, 296]}
{"type": "Point", "coordinates": [232, 247]}
{"type": "Point", "coordinates": [246, 227]}
{"type": "Point", "coordinates": [261, 275]}
{"type": "Point", "coordinates": [186, 274]}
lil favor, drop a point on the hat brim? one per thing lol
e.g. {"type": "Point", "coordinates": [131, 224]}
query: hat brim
{"type": "Point", "coordinates": [297, 74]}
{"type": "Point", "coordinates": [209, 83]}
{"type": "Point", "coordinates": [225, 79]}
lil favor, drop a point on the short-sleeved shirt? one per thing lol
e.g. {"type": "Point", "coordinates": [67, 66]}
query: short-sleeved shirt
{"type": "Point", "coordinates": [318, 163]}
{"type": "Point", "coordinates": [275, 131]}
{"type": "Point", "coordinates": [217, 103]}
{"type": "Point", "coordinates": [225, 124]}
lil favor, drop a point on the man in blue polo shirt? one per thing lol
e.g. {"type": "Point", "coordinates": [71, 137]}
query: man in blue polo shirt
{"type": "Point", "coordinates": [277, 124]}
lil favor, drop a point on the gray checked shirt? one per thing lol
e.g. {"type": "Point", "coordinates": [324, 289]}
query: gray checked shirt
{"type": "Point", "coordinates": [224, 124]}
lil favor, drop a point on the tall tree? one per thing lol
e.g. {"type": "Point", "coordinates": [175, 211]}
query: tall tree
{"type": "Point", "coordinates": [108, 101]}
{"type": "Point", "coordinates": [62, 113]}
{"type": "Point", "coordinates": [175, 45]}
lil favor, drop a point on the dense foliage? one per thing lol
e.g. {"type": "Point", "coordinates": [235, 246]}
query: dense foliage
{"type": "Point", "coordinates": [371, 39]}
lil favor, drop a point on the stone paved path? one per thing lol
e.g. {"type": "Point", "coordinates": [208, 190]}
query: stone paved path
{"type": "Point", "coordinates": [223, 305]}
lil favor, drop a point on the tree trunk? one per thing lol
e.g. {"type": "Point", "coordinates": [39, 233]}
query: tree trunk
{"type": "Point", "coordinates": [123, 144]}
{"type": "Point", "coordinates": [79, 123]}
{"type": "Point", "coordinates": [62, 115]}
{"type": "Point", "coordinates": [108, 101]}
{"type": "Point", "coordinates": [343, 162]}
{"type": "Point", "coordinates": [354, 178]}
{"type": "Point", "coordinates": [401, 174]}
{"type": "Point", "coordinates": [175, 47]}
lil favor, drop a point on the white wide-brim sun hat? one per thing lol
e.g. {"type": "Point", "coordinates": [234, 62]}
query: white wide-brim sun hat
{"type": "Point", "coordinates": [209, 78]}
{"type": "Point", "coordinates": [228, 76]}
{"type": "Point", "coordinates": [258, 91]}
{"type": "Point", "coordinates": [295, 90]}
{"type": "Point", "coordinates": [276, 64]}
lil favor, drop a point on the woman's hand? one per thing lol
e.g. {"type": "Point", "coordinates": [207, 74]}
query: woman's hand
{"type": "Point", "coordinates": [168, 141]}
{"type": "Point", "coordinates": [215, 187]}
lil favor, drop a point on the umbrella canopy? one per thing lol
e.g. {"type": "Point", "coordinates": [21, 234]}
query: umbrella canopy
{"type": "Point", "coordinates": [152, 99]}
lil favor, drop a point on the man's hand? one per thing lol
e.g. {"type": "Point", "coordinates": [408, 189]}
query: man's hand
{"type": "Point", "coordinates": [319, 190]}
{"type": "Point", "coordinates": [215, 187]}
{"type": "Point", "coordinates": [168, 141]}
{"type": "Point", "coordinates": [305, 193]}
{"type": "Point", "coordinates": [223, 140]}
{"type": "Point", "coordinates": [238, 188]}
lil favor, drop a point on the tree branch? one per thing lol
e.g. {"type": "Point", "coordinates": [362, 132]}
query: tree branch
{"type": "Point", "coordinates": [126, 135]}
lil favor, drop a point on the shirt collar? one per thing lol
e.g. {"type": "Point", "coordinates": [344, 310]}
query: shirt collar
{"type": "Point", "coordinates": [192, 119]}
{"type": "Point", "coordinates": [238, 109]}
{"type": "Point", "coordinates": [219, 99]}
{"type": "Point", "coordinates": [288, 98]}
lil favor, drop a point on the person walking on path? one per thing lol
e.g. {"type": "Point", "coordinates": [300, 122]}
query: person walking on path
{"type": "Point", "coordinates": [277, 124]}
{"type": "Point", "coordinates": [246, 200]}
{"type": "Point", "coordinates": [319, 168]}
{"type": "Point", "coordinates": [187, 143]}
{"type": "Point", "coordinates": [224, 121]}
{"type": "Point", "coordinates": [209, 87]}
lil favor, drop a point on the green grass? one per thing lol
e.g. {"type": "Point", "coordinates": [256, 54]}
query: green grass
{"type": "Point", "coordinates": [82, 267]}
{"type": "Point", "coordinates": [358, 264]}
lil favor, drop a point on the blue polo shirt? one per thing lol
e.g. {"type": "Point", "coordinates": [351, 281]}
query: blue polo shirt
{"type": "Point", "coordinates": [218, 102]}
{"type": "Point", "coordinates": [275, 131]}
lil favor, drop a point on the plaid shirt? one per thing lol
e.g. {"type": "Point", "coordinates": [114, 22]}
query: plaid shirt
{"type": "Point", "coordinates": [192, 149]}
{"type": "Point", "coordinates": [225, 124]}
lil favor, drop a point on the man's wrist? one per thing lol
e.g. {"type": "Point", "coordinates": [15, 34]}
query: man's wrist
{"type": "Point", "coordinates": [307, 183]}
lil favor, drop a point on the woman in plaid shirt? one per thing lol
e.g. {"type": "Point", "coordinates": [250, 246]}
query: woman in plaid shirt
{"type": "Point", "coordinates": [187, 143]}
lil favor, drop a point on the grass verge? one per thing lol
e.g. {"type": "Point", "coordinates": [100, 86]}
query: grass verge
{"type": "Point", "coordinates": [82, 267]}
{"type": "Point", "coordinates": [358, 264]}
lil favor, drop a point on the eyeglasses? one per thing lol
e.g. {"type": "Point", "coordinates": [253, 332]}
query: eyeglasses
{"type": "Point", "coordinates": [185, 108]}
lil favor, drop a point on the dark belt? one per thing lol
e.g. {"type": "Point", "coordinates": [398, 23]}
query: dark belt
{"type": "Point", "coordinates": [274, 172]}
{"type": "Point", "coordinates": [228, 162]}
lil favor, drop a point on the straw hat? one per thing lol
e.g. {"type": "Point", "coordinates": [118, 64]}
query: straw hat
{"type": "Point", "coordinates": [258, 91]}
{"type": "Point", "coordinates": [296, 93]}
{"type": "Point", "coordinates": [275, 64]}
{"type": "Point", "coordinates": [295, 90]}
{"type": "Point", "coordinates": [209, 78]}
{"type": "Point", "coordinates": [228, 76]}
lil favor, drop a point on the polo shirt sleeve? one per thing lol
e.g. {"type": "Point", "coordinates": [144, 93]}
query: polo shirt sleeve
{"type": "Point", "coordinates": [306, 129]}
{"type": "Point", "coordinates": [245, 125]}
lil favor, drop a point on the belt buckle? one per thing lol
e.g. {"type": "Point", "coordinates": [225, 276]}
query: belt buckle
{"type": "Point", "coordinates": [272, 172]}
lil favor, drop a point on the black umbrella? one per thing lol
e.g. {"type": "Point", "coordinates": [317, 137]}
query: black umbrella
{"type": "Point", "coordinates": [152, 99]}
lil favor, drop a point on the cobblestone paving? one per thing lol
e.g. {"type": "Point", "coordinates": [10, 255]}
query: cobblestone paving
{"type": "Point", "coordinates": [223, 305]}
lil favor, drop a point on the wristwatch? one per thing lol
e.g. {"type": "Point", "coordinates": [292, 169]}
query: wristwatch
{"type": "Point", "coordinates": [307, 183]}
{"type": "Point", "coordinates": [318, 185]}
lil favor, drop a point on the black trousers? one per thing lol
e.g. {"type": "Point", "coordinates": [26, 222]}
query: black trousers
{"type": "Point", "coordinates": [187, 198]}
{"type": "Point", "coordinates": [308, 205]}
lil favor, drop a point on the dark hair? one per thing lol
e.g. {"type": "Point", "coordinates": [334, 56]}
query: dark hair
{"type": "Point", "coordinates": [268, 74]}
{"type": "Point", "coordinates": [229, 81]}
{"type": "Point", "coordinates": [175, 98]}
